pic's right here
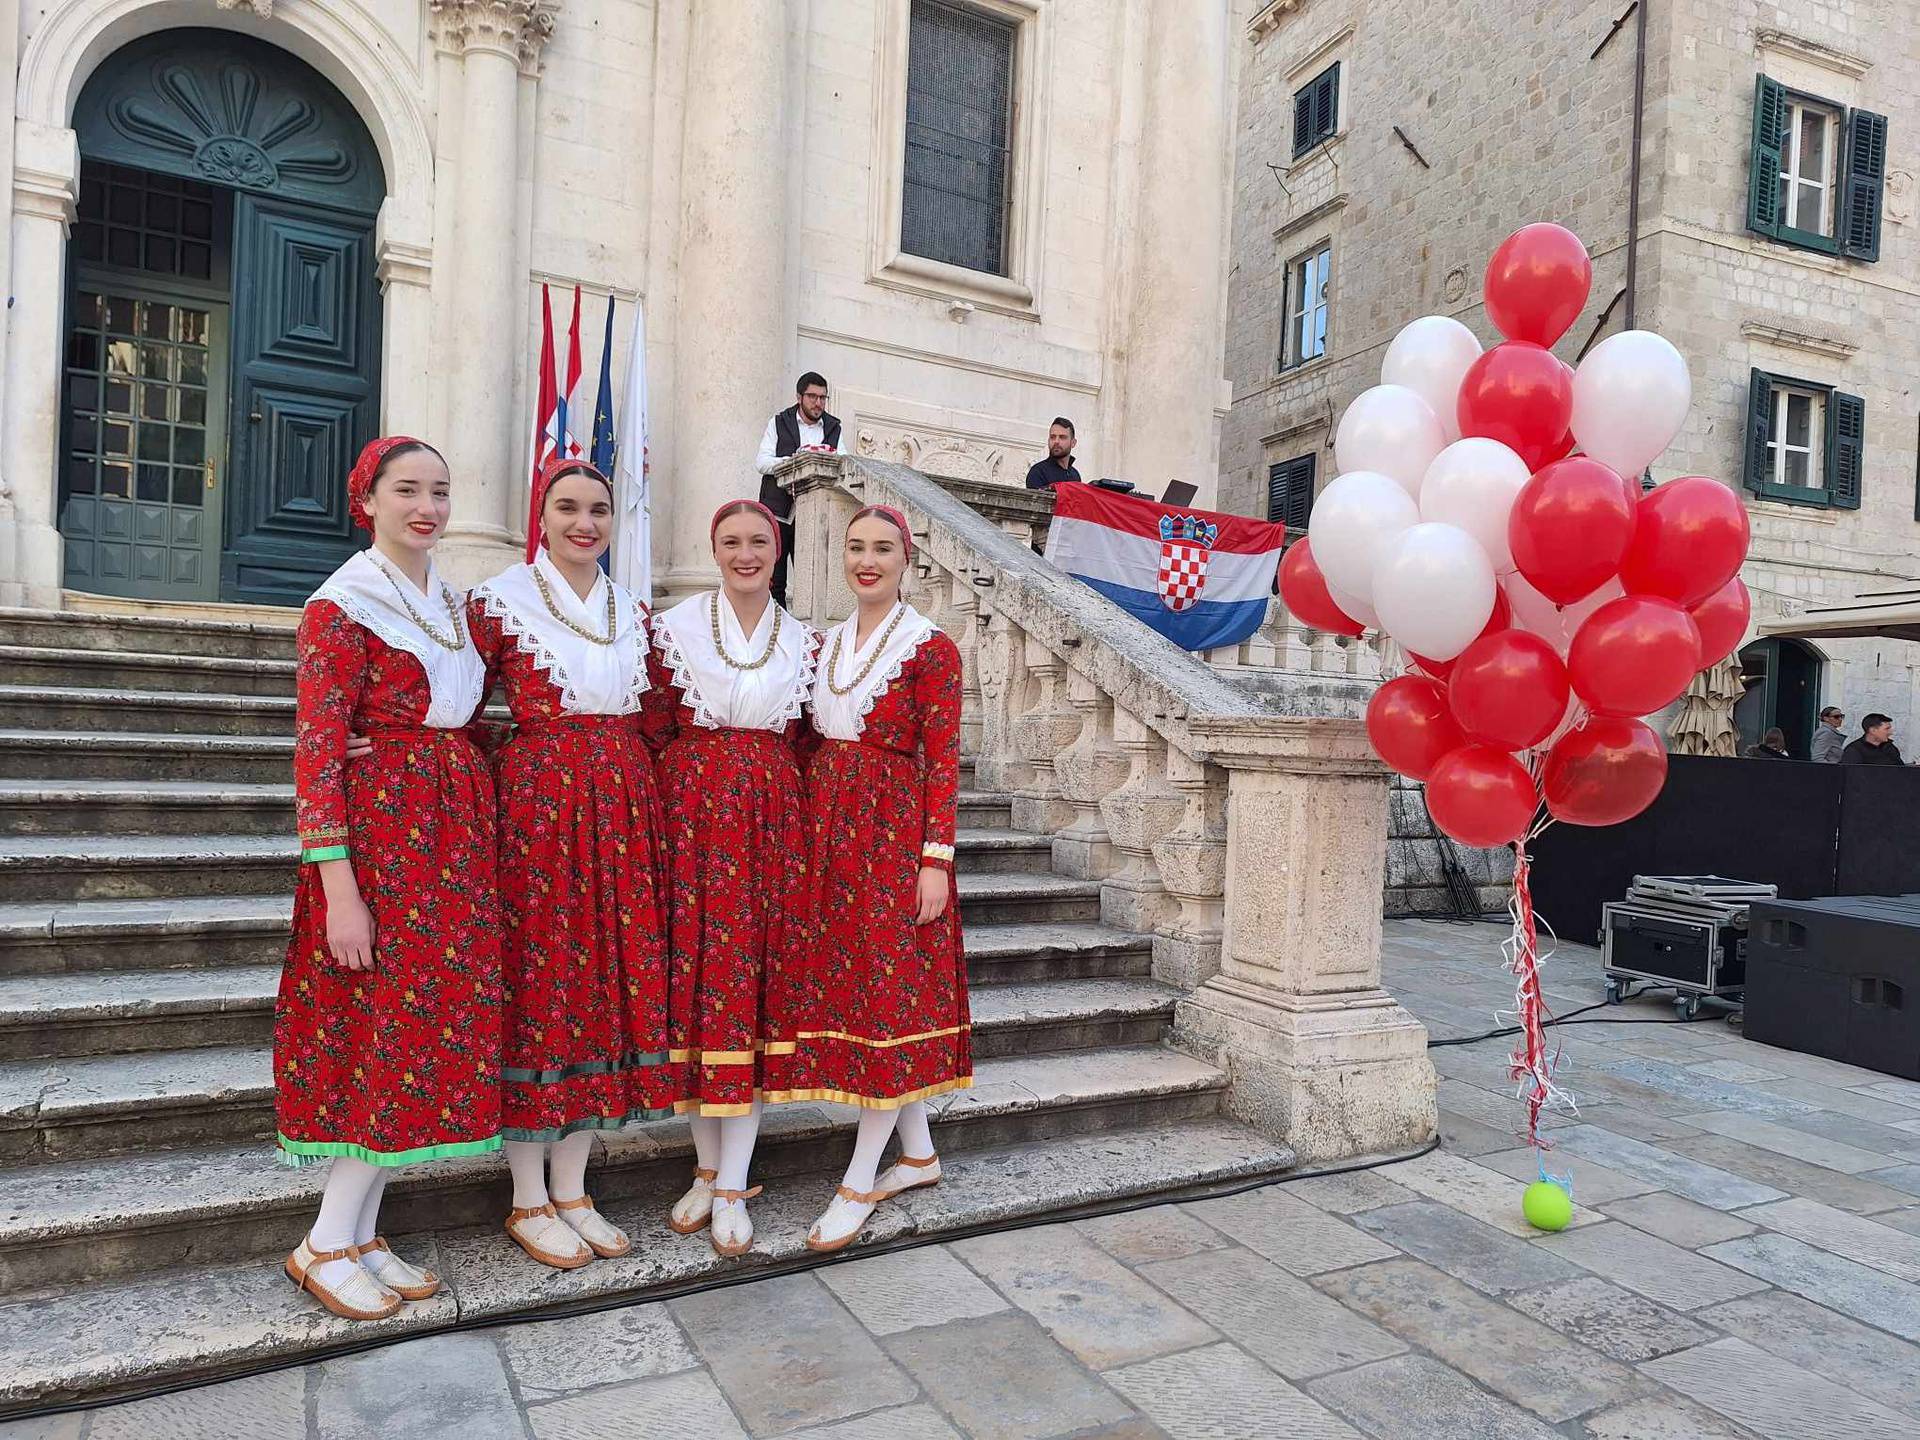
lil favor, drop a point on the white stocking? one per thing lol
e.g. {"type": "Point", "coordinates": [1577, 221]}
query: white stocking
{"type": "Point", "coordinates": [527, 1161]}
{"type": "Point", "coordinates": [706, 1141]}
{"type": "Point", "coordinates": [334, 1228]}
{"type": "Point", "coordinates": [567, 1166]}
{"type": "Point", "coordinates": [869, 1144]}
{"type": "Point", "coordinates": [916, 1136]}
{"type": "Point", "coordinates": [368, 1225]}
{"type": "Point", "coordinates": [737, 1136]}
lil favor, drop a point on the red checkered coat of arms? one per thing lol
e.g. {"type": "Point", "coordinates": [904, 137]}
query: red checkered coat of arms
{"type": "Point", "coordinates": [1186, 543]}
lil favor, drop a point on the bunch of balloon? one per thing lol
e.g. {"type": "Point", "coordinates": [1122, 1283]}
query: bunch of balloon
{"type": "Point", "coordinates": [1487, 515]}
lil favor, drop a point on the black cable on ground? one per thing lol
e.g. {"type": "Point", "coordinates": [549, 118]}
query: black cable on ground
{"type": "Point", "coordinates": [797, 1265]}
{"type": "Point", "coordinates": [1569, 1019]}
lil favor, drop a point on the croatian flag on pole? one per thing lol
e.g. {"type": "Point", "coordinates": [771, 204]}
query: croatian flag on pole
{"type": "Point", "coordinates": [1199, 578]}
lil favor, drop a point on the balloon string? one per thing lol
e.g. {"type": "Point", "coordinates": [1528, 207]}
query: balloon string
{"type": "Point", "coordinates": [1532, 1066]}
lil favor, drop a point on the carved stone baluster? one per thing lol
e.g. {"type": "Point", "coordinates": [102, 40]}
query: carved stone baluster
{"type": "Point", "coordinates": [1002, 668]}
{"type": "Point", "coordinates": [1139, 814]}
{"type": "Point", "coordinates": [1193, 866]}
{"type": "Point", "coordinates": [1087, 771]}
{"type": "Point", "coordinates": [960, 618]}
{"type": "Point", "coordinates": [1048, 726]}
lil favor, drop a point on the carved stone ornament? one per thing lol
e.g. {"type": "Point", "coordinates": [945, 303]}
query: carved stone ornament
{"type": "Point", "coordinates": [218, 123]}
{"type": "Point", "coordinates": [518, 27]}
{"type": "Point", "coordinates": [262, 8]}
{"type": "Point", "coordinates": [951, 457]}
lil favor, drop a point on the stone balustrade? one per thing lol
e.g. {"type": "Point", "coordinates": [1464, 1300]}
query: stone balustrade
{"type": "Point", "coordinates": [1233, 811]}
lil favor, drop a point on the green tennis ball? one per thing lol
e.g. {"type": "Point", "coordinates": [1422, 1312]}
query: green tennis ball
{"type": "Point", "coordinates": [1547, 1206]}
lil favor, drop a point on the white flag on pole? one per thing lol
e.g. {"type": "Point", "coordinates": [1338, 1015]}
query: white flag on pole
{"type": "Point", "coordinates": [632, 487]}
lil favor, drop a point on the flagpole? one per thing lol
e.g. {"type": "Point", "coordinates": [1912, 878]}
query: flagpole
{"type": "Point", "coordinates": [633, 546]}
{"type": "Point", "coordinates": [543, 417]}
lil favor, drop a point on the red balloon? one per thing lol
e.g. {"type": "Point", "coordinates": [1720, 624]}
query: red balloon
{"type": "Point", "coordinates": [1722, 620]}
{"type": "Point", "coordinates": [1634, 656]}
{"type": "Point", "coordinates": [1520, 395]}
{"type": "Point", "coordinates": [1570, 527]}
{"type": "Point", "coordinates": [1603, 772]}
{"type": "Point", "coordinates": [1410, 725]}
{"type": "Point", "coordinates": [1303, 589]}
{"type": "Point", "coordinates": [1688, 540]}
{"type": "Point", "coordinates": [1481, 796]}
{"type": "Point", "coordinates": [1501, 618]}
{"type": "Point", "coordinates": [1508, 690]}
{"type": "Point", "coordinates": [1537, 283]}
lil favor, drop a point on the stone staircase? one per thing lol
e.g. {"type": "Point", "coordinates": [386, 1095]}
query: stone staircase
{"type": "Point", "coordinates": [146, 869]}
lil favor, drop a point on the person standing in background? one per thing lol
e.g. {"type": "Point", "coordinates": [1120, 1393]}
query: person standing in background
{"type": "Point", "coordinates": [1829, 740]}
{"type": "Point", "coordinates": [1875, 745]}
{"type": "Point", "coordinates": [1772, 746]}
{"type": "Point", "coordinates": [1058, 466]}
{"type": "Point", "coordinates": [804, 426]}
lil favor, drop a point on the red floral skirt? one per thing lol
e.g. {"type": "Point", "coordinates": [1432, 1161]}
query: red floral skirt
{"type": "Point", "coordinates": [878, 1004]}
{"type": "Point", "coordinates": [401, 1062]}
{"type": "Point", "coordinates": [733, 825]}
{"type": "Point", "coordinates": [582, 887]}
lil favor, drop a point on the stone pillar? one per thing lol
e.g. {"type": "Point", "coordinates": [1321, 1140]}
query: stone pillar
{"type": "Point", "coordinates": [1087, 771]}
{"type": "Point", "coordinates": [732, 312]}
{"type": "Point", "coordinates": [485, 442]}
{"type": "Point", "coordinates": [403, 250]}
{"type": "Point", "coordinates": [1139, 815]}
{"type": "Point", "coordinates": [46, 187]}
{"type": "Point", "coordinates": [1192, 860]}
{"type": "Point", "coordinates": [1039, 734]}
{"type": "Point", "coordinates": [1169, 358]}
{"type": "Point", "coordinates": [1320, 1055]}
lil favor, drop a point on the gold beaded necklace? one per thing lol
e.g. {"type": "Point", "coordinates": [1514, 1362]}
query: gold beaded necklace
{"type": "Point", "coordinates": [719, 645]}
{"type": "Point", "coordinates": [546, 594]}
{"type": "Point", "coordinates": [833, 660]}
{"type": "Point", "coordinates": [459, 641]}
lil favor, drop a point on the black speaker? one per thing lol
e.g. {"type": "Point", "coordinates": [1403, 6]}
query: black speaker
{"type": "Point", "coordinates": [1838, 977]}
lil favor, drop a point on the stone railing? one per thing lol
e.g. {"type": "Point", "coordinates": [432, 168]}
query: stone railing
{"type": "Point", "coordinates": [1239, 821]}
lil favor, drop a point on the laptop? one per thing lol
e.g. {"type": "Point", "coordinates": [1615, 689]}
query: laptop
{"type": "Point", "coordinates": [1179, 492]}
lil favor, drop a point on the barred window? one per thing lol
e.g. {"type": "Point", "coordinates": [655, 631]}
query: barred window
{"type": "Point", "coordinates": [959, 122]}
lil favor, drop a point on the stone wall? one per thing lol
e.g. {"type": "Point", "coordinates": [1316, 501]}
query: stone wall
{"type": "Point", "coordinates": [1418, 858]}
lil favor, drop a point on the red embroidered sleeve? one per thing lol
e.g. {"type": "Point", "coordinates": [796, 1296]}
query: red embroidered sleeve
{"type": "Point", "coordinates": [936, 696]}
{"type": "Point", "coordinates": [330, 678]}
{"type": "Point", "coordinates": [489, 639]}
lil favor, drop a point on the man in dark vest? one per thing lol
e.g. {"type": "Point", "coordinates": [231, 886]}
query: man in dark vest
{"type": "Point", "coordinates": [803, 427]}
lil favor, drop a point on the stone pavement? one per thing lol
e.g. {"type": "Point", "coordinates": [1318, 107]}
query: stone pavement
{"type": "Point", "coordinates": [1745, 1262]}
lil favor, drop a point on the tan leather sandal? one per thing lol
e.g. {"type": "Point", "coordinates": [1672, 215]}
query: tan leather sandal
{"type": "Point", "coordinates": [729, 1250]}
{"type": "Point", "coordinates": [695, 1224]}
{"type": "Point", "coordinates": [605, 1249]}
{"type": "Point", "coordinates": [869, 1198]}
{"type": "Point", "coordinates": [361, 1298]}
{"type": "Point", "coordinates": [408, 1281]}
{"type": "Point", "coordinates": [907, 1162]}
{"type": "Point", "coordinates": [545, 1257]}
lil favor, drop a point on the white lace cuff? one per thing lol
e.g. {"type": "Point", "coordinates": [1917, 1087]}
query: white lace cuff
{"type": "Point", "coordinates": [931, 851]}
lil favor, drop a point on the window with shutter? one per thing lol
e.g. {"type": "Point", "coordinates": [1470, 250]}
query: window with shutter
{"type": "Point", "coordinates": [1846, 441]}
{"type": "Point", "coordinates": [1763, 175]}
{"type": "Point", "coordinates": [954, 193]}
{"type": "Point", "coordinates": [1309, 279]}
{"type": "Point", "coordinates": [1290, 491]}
{"type": "Point", "coordinates": [1759, 429]}
{"type": "Point", "coordinates": [1805, 442]}
{"type": "Point", "coordinates": [1316, 110]}
{"type": "Point", "coordinates": [1817, 172]}
{"type": "Point", "coordinates": [1866, 180]}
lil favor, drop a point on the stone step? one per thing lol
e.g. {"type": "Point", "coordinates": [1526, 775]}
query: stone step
{"type": "Point", "coordinates": [984, 810]}
{"type": "Point", "coordinates": [144, 807]}
{"type": "Point", "coordinates": [117, 1012]}
{"type": "Point", "coordinates": [150, 634]}
{"type": "Point", "coordinates": [136, 670]}
{"type": "Point", "coordinates": [122, 1336]}
{"type": "Point", "coordinates": [116, 1105]}
{"type": "Point", "coordinates": [1030, 927]}
{"type": "Point", "coordinates": [90, 754]}
{"type": "Point", "coordinates": [134, 867]}
{"type": "Point", "coordinates": [74, 707]}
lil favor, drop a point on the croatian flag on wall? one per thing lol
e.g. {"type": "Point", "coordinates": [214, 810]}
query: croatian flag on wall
{"type": "Point", "coordinates": [1199, 578]}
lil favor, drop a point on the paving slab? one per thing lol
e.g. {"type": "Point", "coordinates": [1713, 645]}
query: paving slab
{"type": "Point", "coordinates": [909, 1422]}
{"type": "Point", "coordinates": [1876, 1137]}
{"type": "Point", "coordinates": [1220, 1392]}
{"type": "Point", "coordinates": [1507, 1352]}
{"type": "Point", "coordinates": [928, 1286]}
{"type": "Point", "coordinates": [1785, 1140]}
{"type": "Point", "coordinates": [1768, 1169]}
{"type": "Point", "coordinates": [1649, 1266]}
{"type": "Point", "coordinates": [1682, 1222]}
{"type": "Point", "coordinates": [1662, 1417]}
{"type": "Point", "coordinates": [1296, 1236]}
{"type": "Point", "coordinates": [257, 1407]}
{"type": "Point", "coordinates": [787, 1355]}
{"type": "Point", "coordinates": [688, 1404]}
{"type": "Point", "coordinates": [1900, 1092]}
{"type": "Point", "coordinates": [1276, 1317]}
{"type": "Point", "coordinates": [444, 1387]}
{"type": "Point", "coordinates": [1593, 1183]}
{"type": "Point", "coordinates": [549, 1357]}
{"type": "Point", "coordinates": [1139, 1237]}
{"type": "Point", "coordinates": [1088, 1301]}
{"type": "Point", "coordinates": [1462, 1136]}
{"type": "Point", "coordinates": [1487, 1259]}
{"type": "Point", "coordinates": [1773, 1398]}
{"type": "Point", "coordinates": [1633, 1121]}
{"type": "Point", "coordinates": [1472, 1189]}
{"type": "Point", "coordinates": [1838, 1100]}
{"type": "Point", "coordinates": [1900, 1177]}
{"type": "Point", "coordinates": [1829, 1280]}
{"type": "Point", "coordinates": [1349, 1193]}
{"type": "Point", "coordinates": [1614, 1321]}
{"type": "Point", "coordinates": [1879, 1246]}
{"type": "Point", "coordinates": [1416, 1396]}
{"type": "Point", "coordinates": [1827, 1343]}
{"type": "Point", "coordinates": [1003, 1378]}
{"type": "Point", "coordinates": [1678, 1083]}
{"type": "Point", "coordinates": [1693, 1179]}
{"type": "Point", "coordinates": [1739, 1072]}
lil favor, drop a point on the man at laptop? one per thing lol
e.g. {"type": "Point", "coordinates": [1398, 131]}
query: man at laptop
{"type": "Point", "coordinates": [1058, 466]}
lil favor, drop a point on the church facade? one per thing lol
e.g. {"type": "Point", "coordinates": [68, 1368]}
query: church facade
{"type": "Point", "coordinates": [244, 236]}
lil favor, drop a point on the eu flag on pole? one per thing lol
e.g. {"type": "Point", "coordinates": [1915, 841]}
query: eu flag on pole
{"type": "Point", "coordinates": [603, 443]}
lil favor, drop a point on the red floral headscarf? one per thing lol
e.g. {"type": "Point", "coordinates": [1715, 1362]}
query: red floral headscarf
{"type": "Point", "coordinates": [366, 468]}
{"type": "Point", "coordinates": [556, 467]}
{"type": "Point", "coordinates": [734, 507]}
{"type": "Point", "coordinates": [893, 517]}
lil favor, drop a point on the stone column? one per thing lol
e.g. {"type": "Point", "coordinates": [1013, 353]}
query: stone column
{"type": "Point", "coordinates": [1320, 1055]}
{"type": "Point", "coordinates": [1169, 358]}
{"type": "Point", "coordinates": [733, 309]}
{"type": "Point", "coordinates": [403, 250]}
{"type": "Point", "coordinates": [485, 441]}
{"type": "Point", "coordinates": [46, 187]}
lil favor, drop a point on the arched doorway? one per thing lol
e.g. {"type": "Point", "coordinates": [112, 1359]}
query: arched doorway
{"type": "Point", "coordinates": [1783, 689]}
{"type": "Point", "coordinates": [223, 323]}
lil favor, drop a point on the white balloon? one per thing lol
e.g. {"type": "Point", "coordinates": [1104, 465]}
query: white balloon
{"type": "Point", "coordinates": [1354, 607]}
{"type": "Point", "coordinates": [1431, 357]}
{"type": "Point", "coordinates": [1354, 519]}
{"type": "Point", "coordinates": [1472, 484]}
{"type": "Point", "coordinates": [1391, 431]}
{"type": "Point", "coordinates": [1553, 623]}
{"type": "Point", "coordinates": [1630, 398]}
{"type": "Point", "coordinates": [1434, 590]}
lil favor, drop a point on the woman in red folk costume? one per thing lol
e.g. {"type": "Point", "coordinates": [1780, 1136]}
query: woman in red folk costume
{"type": "Point", "coordinates": [741, 667]}
{"type": "Point", "coordinates": [581, 866]}
{"type": "Point", "coordinates": [387, 1032]}
{"type": "Point", "coordinates": [879, 993]}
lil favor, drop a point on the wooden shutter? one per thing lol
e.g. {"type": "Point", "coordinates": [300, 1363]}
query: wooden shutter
{"type": "Point", "coordinates": [1846, 442]}
{"type": "Point", "coordinates": [1283, 359]}
{"type": "Point", "coordinates": [1290, 491]}
{"type": "Point", "coordinates": [1763, 170]}
{"type": "Point", "coordinates": [1759, 425]}
{"type": "Point", "coordinates": [1861, 191]}
{"type": "Point", "coordinates": [1302, 120]}
{"type": "Point", "coordinates": [1326, 104]}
